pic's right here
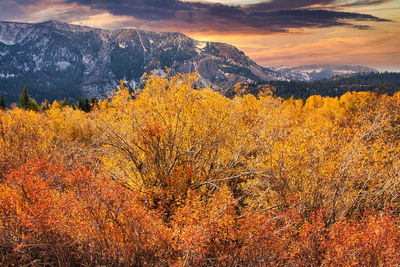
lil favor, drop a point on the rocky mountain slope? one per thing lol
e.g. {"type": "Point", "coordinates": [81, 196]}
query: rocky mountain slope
{"type": "Point", "coordinates": [317, 72]}
{"type": "Point", "coordinates": [57, 60]}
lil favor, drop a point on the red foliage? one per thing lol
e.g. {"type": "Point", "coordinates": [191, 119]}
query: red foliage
{"type": "Point", "coordinates": [53, 216]}
{"type": "Point", "coordinates": [374, 241]}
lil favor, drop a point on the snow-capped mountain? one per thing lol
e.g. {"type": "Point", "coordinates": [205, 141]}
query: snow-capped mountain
{"type": "Point", "coordinates": [56, 60]}
{"type": "Point", "coordinates": [318, 72]}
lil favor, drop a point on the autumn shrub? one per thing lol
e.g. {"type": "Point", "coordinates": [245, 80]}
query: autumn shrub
{"type": "Point", "coordinates": [22, 138]}
{"type": "Point", "coordinates": [372, 241]}
{"type": "Point", "coordinates": [52, 216]}
{"type": "Point", "coordinates": [63, 136]}
{"type": "Point", "coordinates": [205, 230]}
{"type": "Point", "coordinates": [32, 218]}
{"type": "Point", "coordinates": [172, 175]}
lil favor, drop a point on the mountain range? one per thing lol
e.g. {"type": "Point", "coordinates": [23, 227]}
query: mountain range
{"type": "Point", "coordinates": [57, 60]}
{"type": "Point", "coordinates": [318, 72]}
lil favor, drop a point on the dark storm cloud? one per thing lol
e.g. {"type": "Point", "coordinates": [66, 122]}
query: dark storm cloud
{"type": "Point", "coordinates": [276, 15]}
{"type": "Point", "coordinates": [289, 4]}
{"type": "Point", "coordinates": [271, 16]}
{"type": "Point", "coordinates": [365, 3]}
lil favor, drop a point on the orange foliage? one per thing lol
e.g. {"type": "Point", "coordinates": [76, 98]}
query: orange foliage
{"type": "Point", "coordinates": [373, 241]}
{"type": "Point", "coordinates": [53, 216]}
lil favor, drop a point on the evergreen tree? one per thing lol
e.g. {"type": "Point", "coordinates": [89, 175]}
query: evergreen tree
{"type": "Point", "coordinates": [80, 104]}
{"type": "Point", "coordinates": [24, 99]}
{"type": "Point", "coordinates": [2, 102]}
{"type": "Point", "coordinates": [26, 102]}
{"type": "Point", "coordinates": [84, 105]}
{"type": "Point", "coordinates": [87, 105]}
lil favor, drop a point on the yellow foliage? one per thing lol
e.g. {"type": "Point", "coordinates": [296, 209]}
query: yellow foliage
{"type": "Point", "coordinates": [217, 178]}
{"type": "Point", "coordinates": [169, 138]}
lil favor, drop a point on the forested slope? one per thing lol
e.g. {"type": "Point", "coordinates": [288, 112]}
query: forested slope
{"type": "Point", "coordinates": [384, 82]}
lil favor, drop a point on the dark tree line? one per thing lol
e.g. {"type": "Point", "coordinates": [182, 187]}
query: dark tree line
{"type": "Point", "coordinates": [2, 102]}
{"type": "Point", "coordinates": [29, 103]}
{"type": "Point", "coordinates": [86, 104]}
{"type": "Point", "coordinates": [385, 82]}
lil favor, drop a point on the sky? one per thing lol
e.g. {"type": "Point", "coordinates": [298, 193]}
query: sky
{"type": "Point", "coordinates": [271, 32]}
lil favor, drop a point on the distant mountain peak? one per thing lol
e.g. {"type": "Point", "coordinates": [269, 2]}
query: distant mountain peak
{"type": "Point", "coordinates": [319, 71]}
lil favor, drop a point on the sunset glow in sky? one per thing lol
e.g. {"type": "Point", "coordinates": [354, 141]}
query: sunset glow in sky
{"type": "Point", "coordinates": [274, 32]}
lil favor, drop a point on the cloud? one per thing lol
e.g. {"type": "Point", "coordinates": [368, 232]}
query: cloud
{"type": "Point", "coordinates": [143, 9]}
{"type": "Point", "coordinates": [261, 18]}
{"type": "Point", "coordinates": [289, 4]}
{"type": "Point", "coordinates": [10, 10]}
{"type": "Point", "coordinates": [272, 16]}
{"type": "Point", "coordinates": [297, 4]}
{"type": "Point", "coordinates": [360, 3]}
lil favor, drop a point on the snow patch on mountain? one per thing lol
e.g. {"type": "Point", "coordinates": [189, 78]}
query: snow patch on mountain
{"type": "Point", "coordinates": [63, 65]}
{"type": "Point", "coordinates": [7, 75]}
